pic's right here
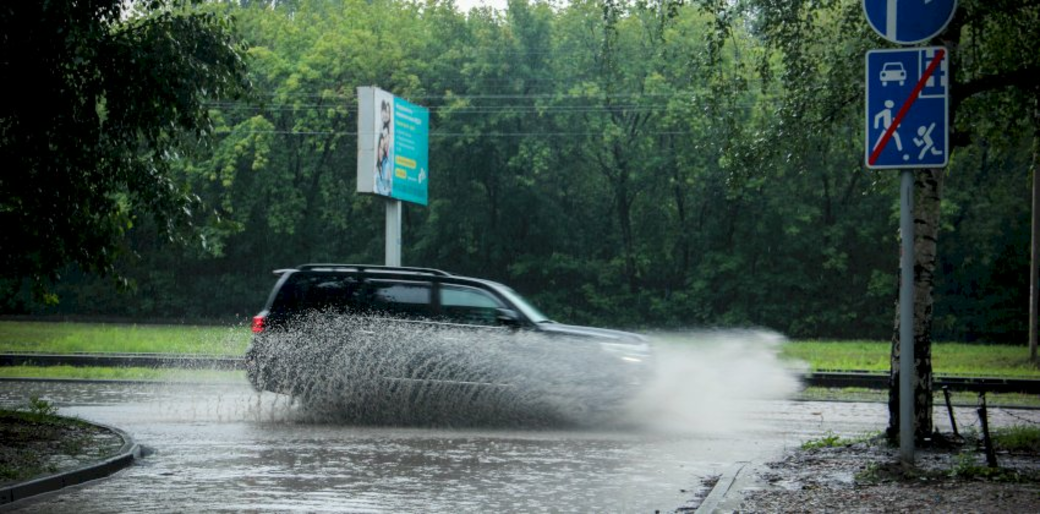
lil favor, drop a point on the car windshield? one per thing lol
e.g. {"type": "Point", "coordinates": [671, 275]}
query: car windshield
{"type": "Point", "coordinates": [528, 310]}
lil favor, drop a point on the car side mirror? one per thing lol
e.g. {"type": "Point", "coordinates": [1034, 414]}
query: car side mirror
{"type": "Point", "coordinates": [508, 318]}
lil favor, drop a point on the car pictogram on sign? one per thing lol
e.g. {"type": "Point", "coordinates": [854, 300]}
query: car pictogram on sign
{"type": "Point", "coordinates": [893, 72]}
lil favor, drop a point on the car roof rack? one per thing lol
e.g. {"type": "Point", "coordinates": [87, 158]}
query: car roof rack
{"type": "Point", "coordinates": [376, 267]}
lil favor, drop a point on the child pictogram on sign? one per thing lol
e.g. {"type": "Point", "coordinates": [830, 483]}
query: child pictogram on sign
{"type": "Point", "coordinates": [924, 141]}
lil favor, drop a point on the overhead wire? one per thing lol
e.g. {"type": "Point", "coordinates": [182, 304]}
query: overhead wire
{"type": "Point", "coordinates": [436, 134]}
{"type": "Point", "coordinates": [568, 104]}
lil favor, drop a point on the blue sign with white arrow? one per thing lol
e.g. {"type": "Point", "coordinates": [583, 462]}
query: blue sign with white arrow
{"type": "Point", "coordinates": [907, 108]}
{"type": "Point", "coordinates": [909, 22]}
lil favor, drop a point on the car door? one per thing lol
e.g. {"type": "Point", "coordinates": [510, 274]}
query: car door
{"type": "Point", "coordinates": [467, 337]}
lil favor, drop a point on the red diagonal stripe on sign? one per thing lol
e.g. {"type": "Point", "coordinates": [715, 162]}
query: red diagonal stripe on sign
{"type": "Point", "coordinates": [939, 54]}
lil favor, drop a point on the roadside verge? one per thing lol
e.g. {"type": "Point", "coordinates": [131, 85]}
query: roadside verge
{"type": "Point", "coordinates": [124, 457]}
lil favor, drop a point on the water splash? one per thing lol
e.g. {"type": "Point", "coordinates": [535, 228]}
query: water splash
{"type": "Point", "coordinates": [379, 371]}
{"type": "Point", "coordinates": [705, 380]}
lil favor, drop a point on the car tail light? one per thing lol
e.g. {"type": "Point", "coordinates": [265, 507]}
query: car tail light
{"type": "Point", "coordinates": [258, 324]}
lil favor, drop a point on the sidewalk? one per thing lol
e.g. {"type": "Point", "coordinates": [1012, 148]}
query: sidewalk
{"type": "Point", "coordinates": [865, 478]}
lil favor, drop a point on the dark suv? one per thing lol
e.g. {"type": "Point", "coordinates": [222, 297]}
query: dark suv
{"type": "Point", "coordinates": [359, 333]}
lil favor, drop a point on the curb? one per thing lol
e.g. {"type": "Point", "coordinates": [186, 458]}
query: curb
{"type": "Point", "coordinates": [124, 458]}
{"type": "Point", "coordinates": [725, 497]}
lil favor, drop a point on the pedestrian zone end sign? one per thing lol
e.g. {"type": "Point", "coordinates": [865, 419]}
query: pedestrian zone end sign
{"type": "Point", "coordinates": [907, 108]}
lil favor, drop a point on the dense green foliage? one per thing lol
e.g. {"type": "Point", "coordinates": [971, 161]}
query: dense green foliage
{"type": "Point", "coordinates": [98, 97]}
{"type": "Point", "coordinates": [661, 164]}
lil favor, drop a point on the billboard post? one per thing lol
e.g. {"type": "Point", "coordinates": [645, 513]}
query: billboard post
{"type": "Point", "coordinates": [393, 157]}
{"type": "Point", "coordinates": [393, 232]}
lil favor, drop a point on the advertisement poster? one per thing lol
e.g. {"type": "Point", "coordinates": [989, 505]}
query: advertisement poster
{"type": "Point", "coordinates": [393, 146]}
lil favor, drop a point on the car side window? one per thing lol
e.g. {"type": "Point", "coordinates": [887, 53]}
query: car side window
{"type": "Point", "coordinates": [469, 305]}
{"type": "Point", "coordinates": [316, 292]}
{"type": "Point", "coordinates": [405, 299]}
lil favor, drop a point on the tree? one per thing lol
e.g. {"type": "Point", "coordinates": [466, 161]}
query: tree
{"type": "Point", "coordinates": [994, 77]}
{"type": "Point", "coordinates": [100, 97]}
{"type": "Point", "coordinates": [993, 70]}
{"type": "Point", "coordinates": [655, 163]}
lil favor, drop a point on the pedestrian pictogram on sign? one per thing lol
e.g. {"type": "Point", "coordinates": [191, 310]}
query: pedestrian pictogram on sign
{"type": "Point", "coordinates": [907, 108]}
{"type": "Point", "coordinates": [909, 22]}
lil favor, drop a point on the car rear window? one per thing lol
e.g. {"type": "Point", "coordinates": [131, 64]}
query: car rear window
{"type": "Point", "coordinates": [304, 292]}
{"type": "Point", "coordinates": [323, 292]}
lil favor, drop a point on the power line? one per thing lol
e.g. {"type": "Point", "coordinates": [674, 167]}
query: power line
{"type": "Point", "coordinates": [493, 109]}
{"type": "Point", "coordinates": [334, 92]}
{"type": "Point", "coordinates": [464, 134]}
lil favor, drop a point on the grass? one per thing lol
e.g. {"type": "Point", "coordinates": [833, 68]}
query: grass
{"type": "Point", "coordinates": [100, 373]}
{"type": "Point", "coordinates": [62, 337]}
{"type": "Point", "coordinates": [31, 434]}
{"type": "Point", "coordinates": [59, 337]}
{"type": "Point", "coordinates": [947, 358]}
{"type": "Point", "coordinates": [828, 440]}
{"type": "Point", "coordinates": [67, 337]}
{"type": "Point", "coordinates": [1018, 438]}
{"type": "Point", "coordinates": [958, 398]}
{"type": "Point", "coordinates": [832, 440]}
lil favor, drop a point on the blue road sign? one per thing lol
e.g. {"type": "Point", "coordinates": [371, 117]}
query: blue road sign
{"type": "Point", "coordinates": [907, 108]}
{"type": "Point", "coordinates": [909, 22]}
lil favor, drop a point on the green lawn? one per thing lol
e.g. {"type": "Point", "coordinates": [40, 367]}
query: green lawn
{"type": "Point", "coordinates": [947, 358]}
{"type": "Point", "coordinates": [57, 337]}
{"type": "Point", "coordinates": [98, 373]}
{"type": "Point", "coordinates": [60, 337]}
{"type": "Point", "coordinates": [958, 398]}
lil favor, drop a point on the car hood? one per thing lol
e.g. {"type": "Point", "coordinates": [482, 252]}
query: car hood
{"type": "Point", "coordinates": [604, 334]}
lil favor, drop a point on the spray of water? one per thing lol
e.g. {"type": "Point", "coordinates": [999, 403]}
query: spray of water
{"type": "Point", "coordinates": [371, 370]}
{"type": "Point", "coordinates": [378, 371]}
{"type": "Point", "coordinates": [708, 380]}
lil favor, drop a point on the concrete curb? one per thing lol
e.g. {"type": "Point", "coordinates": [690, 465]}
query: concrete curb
{"type": "Point", "coordinates": [124, 458]}
{"type": "Point", "coordinates": [725, 496]}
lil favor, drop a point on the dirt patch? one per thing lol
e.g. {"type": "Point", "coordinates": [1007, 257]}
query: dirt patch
{"type": "Point", "coordinates": [867, 477]}
{"type": "Point", "coordinates": [34, 445]}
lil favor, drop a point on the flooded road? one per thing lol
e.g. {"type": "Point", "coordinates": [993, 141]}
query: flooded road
{"type": "Point", "coordinates": [721, 401]}
{"type": "Point", "coordinates": [226, 448]}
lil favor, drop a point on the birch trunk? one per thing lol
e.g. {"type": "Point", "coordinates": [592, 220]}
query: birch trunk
{"type": "Point", "coordinates": [927, 195]}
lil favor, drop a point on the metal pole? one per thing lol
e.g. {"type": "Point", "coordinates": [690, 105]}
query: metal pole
{"type": "Point", "coordinates": [906, 319]}
{"type": "Point", "coordinates": [1034, 254]}
{"type": "Point", "coordinates": [949, 408]}
{"type": "Point", "coordinates": [987, 440]}
{"type": "Point", "coordinates": [1034, 279]}
{"type": "Point", "coordinates": [393, 232]}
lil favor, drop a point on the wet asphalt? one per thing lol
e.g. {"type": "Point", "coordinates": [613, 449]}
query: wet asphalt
{"type": "Point", "coordinates": [225, 448]}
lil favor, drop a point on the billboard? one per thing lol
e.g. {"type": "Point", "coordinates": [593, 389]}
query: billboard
{"type": "Point", "coordinates": [393, 146]}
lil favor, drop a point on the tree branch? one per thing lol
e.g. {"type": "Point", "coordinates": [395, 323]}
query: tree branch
{"type": "Point", "coordinates": [1025, 77]}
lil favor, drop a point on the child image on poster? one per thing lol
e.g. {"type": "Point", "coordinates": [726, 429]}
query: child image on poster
{"type": "Point", "coordinates": [384, 161]}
